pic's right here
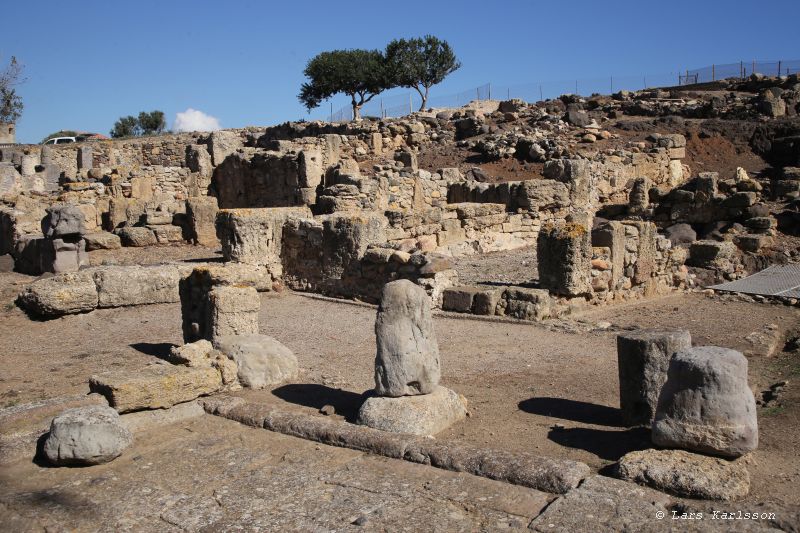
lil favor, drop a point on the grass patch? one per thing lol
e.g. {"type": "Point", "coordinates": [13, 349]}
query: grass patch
{"type": "Point", "coordinates": [775, 410]}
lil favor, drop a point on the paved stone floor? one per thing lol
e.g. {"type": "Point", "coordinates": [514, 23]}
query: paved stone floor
{"type": "Point", "coordinates": [211, 474]}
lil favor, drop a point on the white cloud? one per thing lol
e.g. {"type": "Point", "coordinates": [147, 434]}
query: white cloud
{"type": "Point", "coordinates": [194, 120]}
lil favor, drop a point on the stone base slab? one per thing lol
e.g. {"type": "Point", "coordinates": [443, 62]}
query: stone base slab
{"type": "Point", "coordinates": [425, 414]}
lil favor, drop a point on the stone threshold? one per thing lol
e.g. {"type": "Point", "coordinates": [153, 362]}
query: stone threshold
{"type": "Point", "coordinates": [554, 476]}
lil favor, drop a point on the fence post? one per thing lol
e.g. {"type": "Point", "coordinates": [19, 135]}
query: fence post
{"type": "Point", "coordinates": [754, 67]}
{"type": "Point", "coordinates": [490, 91]}
{"type": "Point", "coordinates": [779, 69]}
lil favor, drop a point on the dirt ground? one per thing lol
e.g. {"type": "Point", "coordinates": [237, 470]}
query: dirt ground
{"type": "Point", "coordinates": [531, 387]}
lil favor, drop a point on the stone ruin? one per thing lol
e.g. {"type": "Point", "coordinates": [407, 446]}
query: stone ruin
{"type": "Point", "coordinates": [408, 397]}
{"type": "Point", "coordinates": [348, 211]}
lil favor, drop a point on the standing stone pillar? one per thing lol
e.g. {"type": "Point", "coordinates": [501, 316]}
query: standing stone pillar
{"type": "Point", "coordinates": [217, 302]}
{"type": "Point", "coordinates": [63, 249]}
{"type": "Point", "coordinates": [706, 404]}
{"type": "Point", "coordinates": [408, 396]}
{"type": "Point", "coordinates": [643, 360]}
{"type": "Point", "coordinates": [565, 259]}
{"type": "Point", "coordinates": [28, 164]}
{"type": "Point", "coordinates": [85, 158]}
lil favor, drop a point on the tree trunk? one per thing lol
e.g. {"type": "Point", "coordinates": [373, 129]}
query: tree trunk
{"type": "Point", "coordinates": [356, 107]}
{"type": "Point", "coordinates": [424, 97]}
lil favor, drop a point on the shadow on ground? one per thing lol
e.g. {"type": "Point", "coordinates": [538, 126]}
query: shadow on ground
{"type": "Point", "coordinates": [608, 445]}
{"type": "Point", "coordinates": [156, 349]}
{"type": "Point", "coordinates": [577, 411]}
{"type": "Point", "coordinates": [317, 396]}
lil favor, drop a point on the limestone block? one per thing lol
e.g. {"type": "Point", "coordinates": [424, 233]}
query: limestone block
{"type": "Point", "coordinates": [426, 414]}
{"type": "Point", "coordinates": [233, 310]}
{"type": "Point", "coordinates": [706, 404]}
{"type": "Point", "coordinates": [202, 214]}
{"type": "Point", "coordinates": [565, 255]}
{"type": "Point", "coordinates": [63, 220]}
{"type": "Point", "coordinates": [261, 361]}
{"type": "Point", "coordinates": [685, 474]}
{"type": "Point", "coordinates": [62, 294]}
{"type": "Point", "coordinates": [119, 286]}
{"type": "Point", "coordinates": [136, 236]}
{"type": "Point", "coordinates": [407, 361]}
{"type": "Point", "coordinates": [103, 240]}
{"type": "Point", "coordinates": [526, 304]}
{"type": "Point", "coordinates": [155, 387]}
{"type": "Point", "coordinates": [643, 359]}
{"type": "Point", "coordinates": [89, 435]}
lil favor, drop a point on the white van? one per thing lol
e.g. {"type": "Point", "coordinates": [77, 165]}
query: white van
{"type": "Point", "coordinates": [61, 140]}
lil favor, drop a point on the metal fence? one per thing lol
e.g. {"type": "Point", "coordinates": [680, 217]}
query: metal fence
{"type": "Point", "coordinates": [401, 104]}
{"type": "Point", "coordinates": [739, 70]}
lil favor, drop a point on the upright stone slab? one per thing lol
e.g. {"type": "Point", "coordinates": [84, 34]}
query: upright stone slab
{"type": "Point", "coordinates": [565, 259]}
{"type": "Point", "coordinates": [706, 404]}
{"type": "Point", "coordinates": [643, 360]}
{"type": "Point", "coordinates": [407, 361]}
{"type": "Point", "coordinates": [28, 164]}
{"type": "Point", "coordinates": [202, 214]}
{"type": "Point", "coordinates": [85, 158]}
{"type": "Point", "coordinates": [201, 316]}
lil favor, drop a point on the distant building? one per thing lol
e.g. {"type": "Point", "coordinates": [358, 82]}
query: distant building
{"type": "Point", "coordinates": [7, 133]}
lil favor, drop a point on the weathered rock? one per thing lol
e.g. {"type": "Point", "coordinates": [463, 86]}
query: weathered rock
{"type": "Point", "coordinates": [686, 474]}
{"type": "Point", "coordinates": [102, 241]}
{"type": "Point", "coordinates": [155, 387]}
{"type": "Point", "coordinates": [603, 504]}
{"type": "Point", "coordinates": [261, 361]}
{"type": "Point", "coordinates": [407, 361]}
{"type": "Point", "coordinates": [426, 414]}
{"type": "Point", "coordinates": [62, 294]}
{"type": "Point", "coordinates": [565, 255]}
{"type": "Point", "coordinates": [62, 221]}
{"type": "Point", "coordinates": [137, 236]}
{"type": "Point", "coordinates": [526, 304]}
{"type": "Point", "coordinates": [233, 310]}
{"type": "Point", "coordinates": [706, 404]}
{"type": "Point", "coordinates": [194, 354]}
{"type": "Point", "coordinates": [254, 236]}
{"type": "Point", "coordinates": [197, 309]}
{"type": "Point", "coordinates": [88, 435]}
{"type": "Point", "coordinates": [120, 286]}
{"type": "Point", "coordinates": [643, 359]}
{"type": "Point", "coordinates": [202, 214]}
{"type": "Point", "coordinates": [712, 254]}
{"type": "Point", "coordinates": [680, 234]}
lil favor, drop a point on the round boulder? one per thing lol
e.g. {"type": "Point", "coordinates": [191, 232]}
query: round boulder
{"type": "Point", "coordinates": [706, 404]}
{"type": "Point", "coordinates": [261, 360]}
{"type": "Point", "coordinates": [89, 435]}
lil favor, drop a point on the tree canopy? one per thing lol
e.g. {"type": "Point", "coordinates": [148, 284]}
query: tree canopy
{"type": "Point", "coordinates": [360, 74]}
{"type": "Point", "coordinates": [11, 105]}
{"type": "Point", "coordinates": [151, 123]}
{"type": "Point", "coordinates": [420, 63]}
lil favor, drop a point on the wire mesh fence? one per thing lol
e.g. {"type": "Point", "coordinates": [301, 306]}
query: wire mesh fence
{"type": "Point", "coordinates": [401, 104]}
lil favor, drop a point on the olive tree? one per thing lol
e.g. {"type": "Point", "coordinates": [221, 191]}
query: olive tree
{"type": "Point", "coordinates": [11, 105]}
{"type": "Point", "coordinates": [360, 74]}
{"type": "Point", "coordinates": [420, 63]}
{"type": "Point", "coordinates": [151, 123]}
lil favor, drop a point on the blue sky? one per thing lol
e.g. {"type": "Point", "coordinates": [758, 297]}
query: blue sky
{"type": "Point", "coordinates": [90, 62]}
